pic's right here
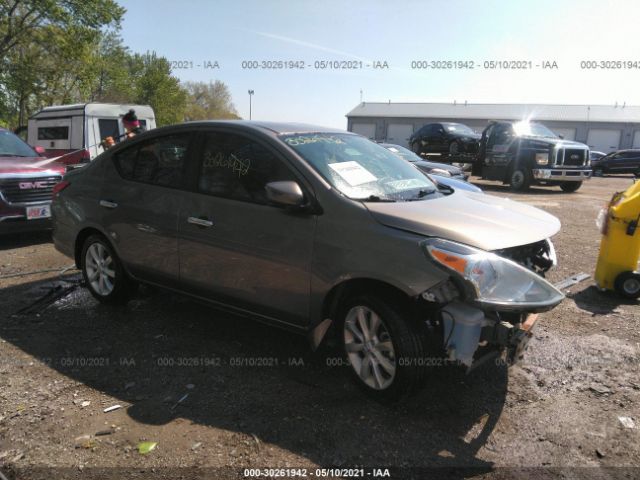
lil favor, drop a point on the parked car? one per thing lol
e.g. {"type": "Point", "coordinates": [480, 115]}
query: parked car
{"type": "Point", "coordinates": [319, 231]}
{"type": "Point", "coordinates": [622, 161]}
{"type": "Point", "coordinates": [444, 173]}
{"type": "Point", "coordinates": [447, 137]}
{"type": "Point", "coordinates": [595, 155]}
{"type": "Point", "coordinates": [521, 154]}
{"type": "Point", "coordinates": [26, 184]}
{"type": "Point", "coordinates": [76, 131]}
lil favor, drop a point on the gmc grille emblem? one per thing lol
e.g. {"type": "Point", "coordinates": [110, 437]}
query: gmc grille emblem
{"type": "Point", "coordinates": [32, 185]}
{"type": "Point", "coordinates": [575, 156]}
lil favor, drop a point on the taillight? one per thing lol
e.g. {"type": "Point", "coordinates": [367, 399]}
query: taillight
{"type": "Point", "coordinates": [86, 156]}
{"type": "Point", "coordinates": [58, 187]}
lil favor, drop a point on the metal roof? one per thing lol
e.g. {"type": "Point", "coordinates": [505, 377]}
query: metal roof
{"type": "Point", "coordinates": [501, 111]}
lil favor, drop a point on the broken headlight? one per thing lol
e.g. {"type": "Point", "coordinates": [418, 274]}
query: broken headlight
{"type": "Point", "coordinates": [494, 281]}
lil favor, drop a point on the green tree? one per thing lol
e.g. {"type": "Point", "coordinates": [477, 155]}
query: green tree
{"type": "Point", "coordinates": [208, 101]}
{"type": "Point", "coordinates": [21, 19]}
{"type": "Point", "coordinates": [155, 86]}
{"type": "Point", "coordinates": [46, 51]}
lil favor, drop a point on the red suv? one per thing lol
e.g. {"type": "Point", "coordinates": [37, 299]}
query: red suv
{"type": "Point", "coordinates": [26, 185]}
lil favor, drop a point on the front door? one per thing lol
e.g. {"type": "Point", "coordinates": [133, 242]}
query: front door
{"type": "Point", "coordinates": [234, 246]}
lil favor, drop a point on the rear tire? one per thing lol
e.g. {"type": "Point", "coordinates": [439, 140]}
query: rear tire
{"type": "Point", "coordinates": [570, 187]}
{"type": "Point", "coordinates": [627, 284]}
{"type": "Point", "coordinates": [597, 172]}
{"type": "Point", "coordinates": [385, 351]}
{"type": "Point", "coordinates": [103, 273]}
{"type": "Point", "coordinates": [416, 147]}
{"type": "Point", "coordinates": [520, 180]}
{"type": "Point", "coordinates": [455, 148]}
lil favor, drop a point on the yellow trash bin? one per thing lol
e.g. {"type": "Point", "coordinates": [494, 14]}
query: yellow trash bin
{"type": "Point", "coordinates": [620, 247]}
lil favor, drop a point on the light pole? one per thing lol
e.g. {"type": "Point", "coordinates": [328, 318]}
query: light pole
{"type": "Point", "coordinates": [250, 95]}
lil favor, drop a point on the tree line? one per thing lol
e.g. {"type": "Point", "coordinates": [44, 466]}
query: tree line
{"type": "Point", "coordinates": [56, 52]}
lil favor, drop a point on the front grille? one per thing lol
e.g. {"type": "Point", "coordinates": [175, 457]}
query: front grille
{"type": "Point", "coordinates": [571, 157]}
{"type": "Point", "coordinates": [534, 256]}
{"type": "Point", "coordinates": [28, 190]}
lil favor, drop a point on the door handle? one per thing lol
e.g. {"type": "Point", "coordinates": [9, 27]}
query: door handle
{"type": "Point", "coordinates": [108, 204]}
{"type": "Point", "coordinates": [201, 222]}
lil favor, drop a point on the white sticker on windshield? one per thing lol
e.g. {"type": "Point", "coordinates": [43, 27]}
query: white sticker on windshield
{"type": "Point", "coordinates": [353, 173]}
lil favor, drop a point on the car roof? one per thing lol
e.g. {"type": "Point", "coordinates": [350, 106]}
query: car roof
{"type": "Point", "coordinates": [277, 128]}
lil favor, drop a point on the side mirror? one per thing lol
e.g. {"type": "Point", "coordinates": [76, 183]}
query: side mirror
{"type": "Point", "coordinates": [561, 137]}
{"type": "Point", "coordinates": [40, 150]}
{"type": "Point", "coordinates": [287, 193]}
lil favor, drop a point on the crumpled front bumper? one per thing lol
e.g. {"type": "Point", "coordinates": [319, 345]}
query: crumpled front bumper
{"type": "Point", "coordinates": [469, 331]}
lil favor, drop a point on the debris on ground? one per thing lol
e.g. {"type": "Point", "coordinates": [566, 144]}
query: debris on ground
{"type": "Point", "coordinates": [627, 422]}
{"type": "Point", "coordinates": [146, 447]}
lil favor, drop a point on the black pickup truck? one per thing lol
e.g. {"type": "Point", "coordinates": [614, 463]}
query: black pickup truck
{"type": "Point", "coordinates": [524, 153]}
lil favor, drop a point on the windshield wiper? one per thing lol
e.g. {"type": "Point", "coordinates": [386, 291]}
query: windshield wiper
{"type": "Point", "coordinates": [423, 193]}
{"type": "Point", "coordinates": [375, 198]}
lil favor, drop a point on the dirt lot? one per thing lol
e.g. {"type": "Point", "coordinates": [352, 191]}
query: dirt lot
{"type": "Point", "coordinates": [176, 369]}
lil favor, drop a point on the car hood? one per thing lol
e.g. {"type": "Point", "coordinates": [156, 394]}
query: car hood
{"type": "Point", "coordinates": [476, 219]}
{"type": "Point", "coordinates": [26, 165]}
{"type": "Point", "coordinates": [443, 166]}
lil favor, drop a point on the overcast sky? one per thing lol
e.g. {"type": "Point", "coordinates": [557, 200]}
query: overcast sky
{"type": "Point", "coordinates": [397, 32]}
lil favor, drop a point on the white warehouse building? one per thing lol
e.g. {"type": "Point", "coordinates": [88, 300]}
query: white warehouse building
{"type": "Point", "coordinates": [603, 127]}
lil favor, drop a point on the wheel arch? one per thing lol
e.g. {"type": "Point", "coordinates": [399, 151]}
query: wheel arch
{"type": "Point", "coordinates": [345, 289]}
{"type": "Point", "coordinates": [82, 236]}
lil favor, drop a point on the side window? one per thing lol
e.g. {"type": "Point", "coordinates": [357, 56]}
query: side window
{"type": "Point", "coordinates": [160, 161]}
{"type": "Point", "coordinates": [502, 134]}
{"type": "Point", "coordinates": [238, 168]}
{"type": "Point", "coordinates": [109, 128]}
{"type": "Point", "coordinates": [434, 130]}
{"type": "Point", "coordinates": [53, 133]}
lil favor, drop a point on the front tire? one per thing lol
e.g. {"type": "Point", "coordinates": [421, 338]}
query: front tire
{"type": "Point", "coordinates": [627, 284]}
{"type": "Point", "coordinates": [383, 347]}
{"type": "Point", "coordinates": [570, 187]}
{"type": "Point", "coordinates": [520, 180]}
{"type": "Point", "coordinates": [103, 273]}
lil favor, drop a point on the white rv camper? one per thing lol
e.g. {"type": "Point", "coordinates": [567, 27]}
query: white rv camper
{"type": "Point", "coordinates": [80, 128]}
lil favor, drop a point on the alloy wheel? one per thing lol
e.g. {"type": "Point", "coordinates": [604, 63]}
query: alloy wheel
{"type": "Point", "coordinates": [369, 348]}
{"type": "Point", "coordinates": [100, 269]}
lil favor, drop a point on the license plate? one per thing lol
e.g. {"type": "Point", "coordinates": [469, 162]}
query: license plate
{"type": "Point", "coordinates": [41, 211]}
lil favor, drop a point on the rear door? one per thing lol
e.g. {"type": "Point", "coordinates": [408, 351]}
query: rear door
{"type": "Point", "coordinates": [234, 246]}
{"type": "Point", "coordinates": [626, 162]}
{"type": "Point", "coordinates": [140, 199]}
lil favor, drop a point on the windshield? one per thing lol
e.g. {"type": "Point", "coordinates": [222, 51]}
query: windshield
{"type": "Point", "coordinates": [12, 146]}
{"type": "Point", "coordinates": [533, 129]}
{"type": "Point", "coordinates": [360, 168]}
{"type": "Point", "coordinates": [458, 128]}
{"type": "Point", "coordinates": [402, 152]}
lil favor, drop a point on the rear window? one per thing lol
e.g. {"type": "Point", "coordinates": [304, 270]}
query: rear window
{"type": "Point", "coordinates": [53, 133]}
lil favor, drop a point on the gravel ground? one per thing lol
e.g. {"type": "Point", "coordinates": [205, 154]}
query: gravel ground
{"type": "Point", "coordinates": [175, 368]}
